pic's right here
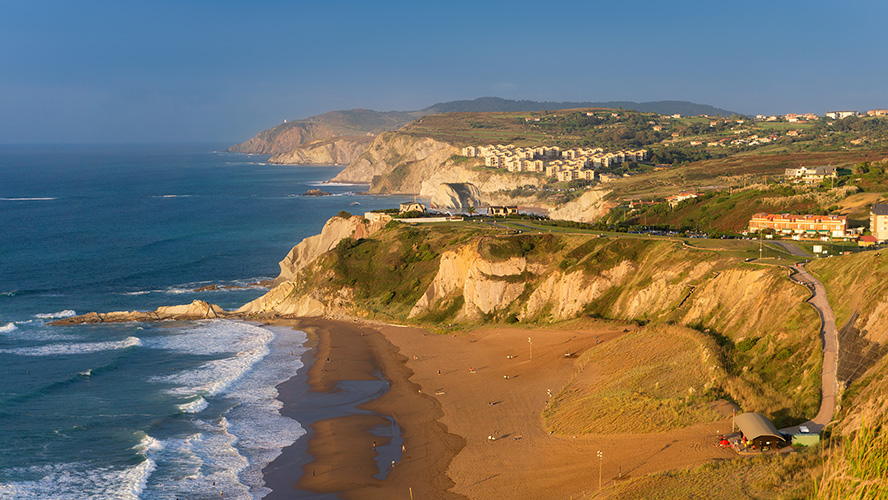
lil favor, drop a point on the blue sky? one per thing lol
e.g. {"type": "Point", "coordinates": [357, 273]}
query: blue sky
{"type": "Point", "coordinates": [139, 71]}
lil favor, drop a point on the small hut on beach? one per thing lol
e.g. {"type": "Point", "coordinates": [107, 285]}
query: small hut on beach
{"type": "Point", "coordinates": [760, 432]}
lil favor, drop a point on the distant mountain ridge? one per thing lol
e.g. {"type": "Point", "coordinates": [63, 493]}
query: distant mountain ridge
{"type": "Point", "coordinates": [290, 135]}
{"type": "Point", "coordinates": [494, 104]}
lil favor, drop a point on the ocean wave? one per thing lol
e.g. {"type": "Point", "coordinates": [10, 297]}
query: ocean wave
{"type": "Point", "coordinates": [326, 183]}
{"type": "Point", "coordinates": [245, 344]}
{"type": "Point", "coordinates": [261, 430]}
{"type": "Point", "coordinates": [28, 199]}
{"type": "Point", "coordinates": [195, 406]}
{"type": "Point", "coordinates": [78, 481]}
{"type": "Point", "coordinates": [69, 348]}
{"type": "Point", "coordinates": [67, 313]}
{"type": "Point", "coordinates": [185, 288]}
{"type": "Point", "coordinates": [207, 457]}
{"type": "Point", "coordinates": [214, 377]}
{"type": "Point", "coordinates": [173, 196]}
{"type": "Point", "coordinates": [8, 328]}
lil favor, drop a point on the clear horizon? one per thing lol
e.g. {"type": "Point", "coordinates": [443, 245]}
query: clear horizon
{"type": "Point", "coordinates": [219, 72]}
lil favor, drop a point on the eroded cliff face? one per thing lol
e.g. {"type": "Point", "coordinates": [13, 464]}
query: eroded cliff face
{"type": "Point", "coordinates": [285, 298]}
{"type": "Point", "coordinates": [404, 164]}
{"type": "Point", "coordinates": [456, 196]}
{"type": "Point", "coordinates": [338, 151]}
{"type": "Point", "coordinates": [312, 247]}
{"type": "Point", "coordinates": [589, 207]}
{"type": "Point", "coordinates": [485, 287]}
{"type": "Point", "coordinates": [397, 163]}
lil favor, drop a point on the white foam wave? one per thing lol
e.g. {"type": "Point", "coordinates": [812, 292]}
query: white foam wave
{"type": "Point", "coordinates": [195, 406]}
{"type": "Point", "coordinates": [71, 348]}
{"type": "Point", "coordinates": [27, 199]}
{"type": "Point", "coordinates": [79, 481]}
{"type": "Point", "coordinates": [173, 196]}
{"type": "Point", "coordinates": [142, 292]}
{"type": "Point", "coordinates": [67, 313]}
{"type": "Point", "coordinates": [8, 328]}
{"type": "Point", "coordinates": [325, 183]}
{"type": "Point", "coordinates": [214, 377]}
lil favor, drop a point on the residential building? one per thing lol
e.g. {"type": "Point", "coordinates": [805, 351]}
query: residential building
{"type": "Point", "coordinates": [680, 197]}
{"type": "Point", "coordinates": [879, 221]}
{"type": "Point", "coordinates": [811, 174]}
{"type": "Point", "coordinates": [808, 225]}
{"type": "Point", "coordinates": [867, 241]}
{"type": "Point", "coordinates": [877, 112]}
{"type": "Point", "coordinates": [838, 115]}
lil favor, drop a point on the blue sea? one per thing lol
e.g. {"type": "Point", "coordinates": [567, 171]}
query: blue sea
{"type": "Point", "coordinates": [146, 410]}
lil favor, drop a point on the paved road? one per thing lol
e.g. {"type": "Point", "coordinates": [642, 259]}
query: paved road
{"type": "Point", "coordinates": [829, 337]}
{"type": "Point", "coordinates": [791, 248]}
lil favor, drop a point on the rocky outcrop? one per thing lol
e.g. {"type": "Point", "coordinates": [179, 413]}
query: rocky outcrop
{"type": "Point", "coordinates": [589, 207]}
{"type": "Point", "coordinates": [195, 310]}
{"type": "Point", "coordinates": [310, 248]}
{"type": "Point", "coordinates": [457, 196]}
{"type": "Point", "coordinates": [337, 151]}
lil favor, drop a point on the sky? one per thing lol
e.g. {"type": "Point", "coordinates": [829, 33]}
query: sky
{"type": "Point", "coordinates": [92, 71]}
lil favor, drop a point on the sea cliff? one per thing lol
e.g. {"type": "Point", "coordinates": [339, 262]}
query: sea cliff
{"type": "Point", "coordinates": [407, 164]}
{"type": "Point", "coordinates": [336, 151]}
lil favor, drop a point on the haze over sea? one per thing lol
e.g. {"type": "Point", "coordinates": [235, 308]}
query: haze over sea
{"type": "Point", "coordinates": [146, 410]}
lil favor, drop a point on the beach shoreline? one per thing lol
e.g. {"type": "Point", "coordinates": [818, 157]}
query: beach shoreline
{"type": "Point", "coordinates": [467, 408]}
{"type": "Point", "coordinates": [355, 385]}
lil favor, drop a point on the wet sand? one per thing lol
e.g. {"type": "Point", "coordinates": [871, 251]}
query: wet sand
{"type": "Point", "coordinates": [450, 394]}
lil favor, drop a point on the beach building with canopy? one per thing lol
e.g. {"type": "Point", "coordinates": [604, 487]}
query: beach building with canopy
{"type": "Point", "coordinates": [759, 431]}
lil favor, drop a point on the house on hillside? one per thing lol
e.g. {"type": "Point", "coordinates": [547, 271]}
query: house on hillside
{"type": "Point", "coordinates": [680, 197]}
{"type": "Point", "coordinates": [811, 174]}
{"type": "Point", "coordinates": [879, 221]}
{"type": "Point", "coordinates": [502, 211]}
{"type": "Point", "coordinates": [411, 207]}
{"type": "Point", "coordinates": [838, 115]}
{"type": "Point", "coordinates": [867, 241]}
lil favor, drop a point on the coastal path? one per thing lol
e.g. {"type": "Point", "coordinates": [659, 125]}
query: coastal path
{"type": "Point", "coordinates": [829, 336]}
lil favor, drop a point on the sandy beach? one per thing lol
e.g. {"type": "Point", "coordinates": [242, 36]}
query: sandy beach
{"type": "Point", "coordinates": [468, 411]}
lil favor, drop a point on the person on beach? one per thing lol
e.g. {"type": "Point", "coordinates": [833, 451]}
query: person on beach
{"type": "Point", "coordinates": [374, 445]}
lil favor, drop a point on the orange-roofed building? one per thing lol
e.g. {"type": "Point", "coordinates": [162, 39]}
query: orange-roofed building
{"type": "Point", "coordinates": [809, 225]}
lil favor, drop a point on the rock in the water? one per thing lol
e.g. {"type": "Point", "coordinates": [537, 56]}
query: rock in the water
{"type": "Point", "coordinates": [316, 192]}
{"type": "Point", "coordinates": [195, 310]}
{"type": "Point", "coordinates": [457, 196]}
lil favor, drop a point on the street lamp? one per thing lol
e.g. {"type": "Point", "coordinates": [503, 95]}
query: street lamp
{"type": "Point", "coordinates": [600, 460]}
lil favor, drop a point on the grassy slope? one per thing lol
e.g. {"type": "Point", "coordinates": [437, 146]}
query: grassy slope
{"type": "Point", "coordinates": [628, 385]}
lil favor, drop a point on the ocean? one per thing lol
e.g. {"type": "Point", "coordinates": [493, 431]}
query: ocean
{"type": "Point", "coordinates": [160, 410]}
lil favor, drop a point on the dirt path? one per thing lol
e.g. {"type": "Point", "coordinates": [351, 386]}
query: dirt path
{"type": "Point", "coordinates": [829, 336]}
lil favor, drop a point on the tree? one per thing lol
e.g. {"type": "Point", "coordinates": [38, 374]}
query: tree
{"type": "Point", "coordinates": [471, 210]}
